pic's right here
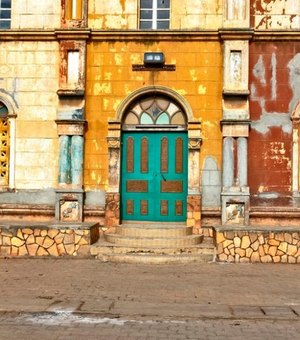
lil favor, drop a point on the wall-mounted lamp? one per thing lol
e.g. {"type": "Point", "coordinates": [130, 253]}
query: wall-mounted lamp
{"type": "Point", "coordinates": [154, 58]}
{"type": "Point", "coordinates": [153, 61]}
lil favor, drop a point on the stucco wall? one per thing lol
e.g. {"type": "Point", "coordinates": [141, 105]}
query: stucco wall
{"type": "Point", "coordinates": [35, 14]}
{"type": "Point", "coordinates": [184, 14]}
{"type": "Point", "coordinates": [29, 76]}
{"type": "Point", "coordinates": [275, 14]}
{"type": "Point", "coordinates": [274, 85]}
{"type": "Point", "coordinates": [110, 79]}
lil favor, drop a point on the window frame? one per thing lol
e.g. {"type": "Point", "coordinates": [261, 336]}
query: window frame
{"type": "Point", "coordinates": [154, 18]}
{"type": "Point", "coordinates": [5, 20]}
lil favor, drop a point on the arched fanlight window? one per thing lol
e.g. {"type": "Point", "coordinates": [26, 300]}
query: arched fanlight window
{"type": "Point", "coordinates": [4, 145]}
{"type": "Point", "coordinates": [156, 111]}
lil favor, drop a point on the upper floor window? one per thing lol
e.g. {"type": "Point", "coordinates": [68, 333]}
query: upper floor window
{"type": "Point", "coordinates": [154, 14]}
{"type": "Point", "coordinates": [74, 9]}
{"type": "Point", "coordinates": [5, 14]}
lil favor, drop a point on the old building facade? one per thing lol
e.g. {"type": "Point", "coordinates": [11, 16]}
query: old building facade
{"type": "Point", "coordinates": [152, 110]}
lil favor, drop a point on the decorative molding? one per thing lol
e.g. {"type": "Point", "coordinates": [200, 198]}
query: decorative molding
{"type": "Point", "coordinates": [73, 34]}
{"type": "Point", "coordinates": [236, 33]}
{"type": "Point", "coordinates": [195, 143]}
{"type": "Point", "coordinates": [141, 67]}
{"type": "Point", "coordinates": [236, 13]}
{"type": "Point", "coordinates": [236, 92]}
{"type": "Point", "coordinates": [70, 127]}
{"type": "Point", "coordinates": [136, 35]}
{"type": "Point", "coordinates": [278, 35]}
{"type": "Point", "coordinates": [122, 109]}
{"type": "Point", "coordinates": [70, 93]}
{"type": "Point", "coordinates": [154, 35]}
{"type": "Point", "coordinates": [113, 142]}
{"type": "Point", "coordinates": [27, 35]}
{"type": "Point", "coordinates": [236, 66]}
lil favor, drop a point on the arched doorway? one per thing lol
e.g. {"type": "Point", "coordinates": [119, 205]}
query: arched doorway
{"type": "Point", "coordinates": [8, 110]}
{"type": "Point", "coordinates": [4, 145]}
{"type": "Point", "coordinates": [154, 160]}
{"type": "Point", "coordinates": [153, 150]}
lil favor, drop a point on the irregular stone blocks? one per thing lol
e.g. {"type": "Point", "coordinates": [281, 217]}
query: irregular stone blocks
{"type": "Point", "coordinates": [265, 245]}
{"type": "Point", "coordinates": [47, 240]}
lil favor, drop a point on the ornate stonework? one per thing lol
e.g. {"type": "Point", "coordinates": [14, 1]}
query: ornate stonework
{"type": "Point", "coordinates": [179, 112]}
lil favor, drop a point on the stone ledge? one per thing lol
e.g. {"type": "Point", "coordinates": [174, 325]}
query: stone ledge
{"type": "Point", "coordinates": [258, 228]}
{"type": "Point", "coordinates": [260, 244]}
{"type": "Point", "coordinates": [47, 239]}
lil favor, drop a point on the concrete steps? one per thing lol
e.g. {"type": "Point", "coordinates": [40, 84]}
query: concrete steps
{"type": "Point", "coordinates": [156, 243]}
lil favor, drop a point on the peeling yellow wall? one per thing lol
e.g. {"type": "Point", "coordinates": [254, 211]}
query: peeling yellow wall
{"type": "Point", "coordinates": [110, 79]}
{"type": "Point", "coordinates": [184, 14]}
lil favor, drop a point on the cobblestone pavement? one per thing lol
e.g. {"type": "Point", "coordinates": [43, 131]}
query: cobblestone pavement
{"type": "Point", "coordinates": [84, 298]}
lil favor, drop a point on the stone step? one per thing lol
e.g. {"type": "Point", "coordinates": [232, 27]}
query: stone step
{"type": "Point", "coordinates": [156, 259]}
{"type": "Point", "coordinates": [146, 242]}
{"type": "Point", "coordinates": [103, 248]}
{"type": "Point", "coordinates": [151, 230]}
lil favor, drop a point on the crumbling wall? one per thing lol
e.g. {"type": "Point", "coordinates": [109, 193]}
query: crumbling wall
{"type": "Point", "coordinates": [274, 86]}
{"type": "Point", "coordinates": [275, 14]}
{"type": "Point", "coordinates": [184, 14]}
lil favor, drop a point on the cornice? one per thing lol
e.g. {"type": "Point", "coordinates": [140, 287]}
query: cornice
{"type": "Point", "coordinates": [154, 35]}
{"type": "Point", "coordinates": [280, 35]}
{"type": "Point", "coordinates": [148, 36]}
{"type": "Point", "coordinates": [236, 33]}
{"type": "Point", "coordinates": [73, 34]}
{"type": "Point", "coordinates": [26, 35]}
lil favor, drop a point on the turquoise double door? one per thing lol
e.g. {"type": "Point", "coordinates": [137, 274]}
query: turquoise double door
{"type": "Point", "coordinates": [154, 176]}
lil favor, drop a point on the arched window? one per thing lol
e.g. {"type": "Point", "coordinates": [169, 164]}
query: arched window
{"type": "Point", "coordinates": [4, 145]}
{"type": "Point", "coordinates": [154, 112]}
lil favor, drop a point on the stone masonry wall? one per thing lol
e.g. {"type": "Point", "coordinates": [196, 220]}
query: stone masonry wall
{"type": "Point", "coordinates": [185, 14]}
{"type": "Point", "coordinates": [280, 245]}
{"type": "Point", "coordinates": [50, 240]}
{"type": "Point", "coordinates": [36, 14]}
{"type": "Point", "coordinates": [29, 78]}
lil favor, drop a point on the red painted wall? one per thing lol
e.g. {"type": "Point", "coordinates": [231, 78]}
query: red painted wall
{"type": "Point", "coordinates": [274, 72]}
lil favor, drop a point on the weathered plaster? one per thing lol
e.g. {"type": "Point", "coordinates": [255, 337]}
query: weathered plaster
{"type": "Point", "coordinates": [294, 81]}
{"type": "Point", "coordinates": [275, 14]}
{"type": "Point", "coordinates": [39, 14]}
{"type": "Point", "coordinates": [259, 72]}
{"type": "Point", "coordinates": [211, 183]}
{"type": "Point", "coordinates": [46, 196]}
{"type": "Point", "coordinates": [29, 81]}
{"type": "Point", "coordinates": [122, 85]}
{"type": "Point", "coordinates": [185, 14]}
{"type": "Point", "coordinates": [272, 119]}
{"type": "Point", "coordinates": [274, 87]}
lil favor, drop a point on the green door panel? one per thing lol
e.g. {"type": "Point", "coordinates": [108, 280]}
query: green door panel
{"type": "Point", "coordinates": [154, 176]}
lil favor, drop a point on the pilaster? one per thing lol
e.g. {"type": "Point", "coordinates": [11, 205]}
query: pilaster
{"type": "Point", "coordinates": [70, 121]}
{"type": "Point", "coordinates": [194, 195]}
{"type": "Point", "coordinates": [235, 105]}
{"type": "Point", "coordinates": [112, 196]}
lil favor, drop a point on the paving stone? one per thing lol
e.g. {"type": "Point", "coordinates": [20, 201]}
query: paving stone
{"type": "Point", "coordinates": [247, 311]}
{"type": "Point", "coordinates": [278, 311]}
{"type": "Point", "coordinates": [296, 310]}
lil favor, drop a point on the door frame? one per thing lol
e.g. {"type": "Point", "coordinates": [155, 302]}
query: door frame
{"type": "Point", "coordinates": [152, 184]}
{"type": "Point", "coordinates": [113, 194]}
